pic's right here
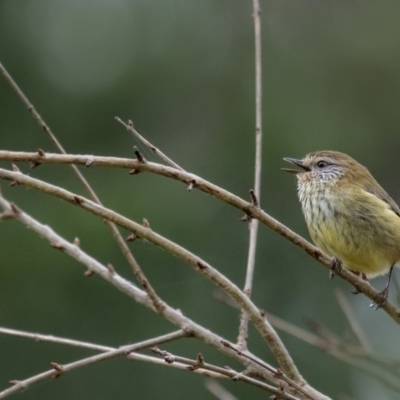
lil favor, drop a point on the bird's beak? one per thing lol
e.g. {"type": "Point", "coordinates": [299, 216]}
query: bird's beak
{"type": "Point", "coordinates": [299, 163]}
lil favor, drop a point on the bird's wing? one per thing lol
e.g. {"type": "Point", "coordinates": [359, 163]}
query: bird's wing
{"type": "Point", "coordinates": [379, 192]}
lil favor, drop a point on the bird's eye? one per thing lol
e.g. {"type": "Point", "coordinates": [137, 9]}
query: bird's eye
{"type": "Point", "coordinates": [322, 164]}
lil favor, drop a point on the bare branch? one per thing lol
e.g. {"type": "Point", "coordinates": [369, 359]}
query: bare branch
{"type": "Point", "coordinates": [97, 347]}
{"type": "Point", "coordinates": [152, 148]}
{"type": "Point", "coordinates": [352, 320]}
{"type": "Point", "coordinates": [253, 223]}
{"type": "Point", "coordinates": [277, 373]}
{"type": "Point", "coordinates": [219, 391]}
{"type": "Point", "coordinates": [37, 337]}
{"type": "Point", "coordinates": [377, 367]}
{"type": "Point", "coordinates": [58, 369]}
{"type": "Point", "coordinates": [227, 371]}
{"type": "Point", "coordinates": [221, 194]}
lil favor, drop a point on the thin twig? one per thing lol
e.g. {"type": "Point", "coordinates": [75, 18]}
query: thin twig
{"type": "Point", "coordinates": [253, 223]}
{"type": "Point", "coordinates": [352, 320]}
{"type": "Point", "coordinates": [277, 373]}
{"type": "Point", "coordinates": [38, 337]}
{"type": "Point", "coordinates": [218, 390]}
{"type": "Point", "coordinates": [358, 358]}
{"type": "Point", "coordinates": [58, 369]}
{"type": "Point", "coordinates": [219, 193]}
{"type": "Point", "coordinates": [227, 371]}
{"type": "Point", "coordinates": [153, 148]}
{"type": "Point", "coordinates": [354, 356]}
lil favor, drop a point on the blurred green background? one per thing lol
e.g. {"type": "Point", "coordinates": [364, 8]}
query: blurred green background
{"type": "Point", "coordinates": [183, 71]}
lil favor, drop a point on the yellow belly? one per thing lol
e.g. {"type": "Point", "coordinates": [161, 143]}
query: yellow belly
{"type": "Point", "coordinates": [359, 251]}
{"type": "Point", "coordinates": [350, 223]}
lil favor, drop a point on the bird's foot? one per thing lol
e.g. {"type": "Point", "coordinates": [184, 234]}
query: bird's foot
{"type": "Point", "coordinates": [336, 266]}
{"type": "Point", "coordinates": [380, 299]}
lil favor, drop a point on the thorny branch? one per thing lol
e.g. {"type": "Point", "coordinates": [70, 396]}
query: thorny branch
{"type": "Point", "coordinates": [58, 369]}
{"type": "Point", "coordinates": [194, 365]}
{"type": "Point", "coordinates": [217, 192]}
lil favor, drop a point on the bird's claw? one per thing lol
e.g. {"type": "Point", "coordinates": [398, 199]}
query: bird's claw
{"type": "Point", "coordinates": [380, 299]}
{"type": "Point", "coordinates": [336, 266]}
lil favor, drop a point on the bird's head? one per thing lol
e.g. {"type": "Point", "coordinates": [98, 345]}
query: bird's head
{"type": "Point", "coordinates": [326, 166]}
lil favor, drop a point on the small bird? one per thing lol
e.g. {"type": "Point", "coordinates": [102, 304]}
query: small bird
{"type": "Point", "coordinates": [349, 215]}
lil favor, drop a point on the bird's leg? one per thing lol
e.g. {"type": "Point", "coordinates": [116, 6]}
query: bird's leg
{"type": "Point", "coordinates": [383, 294]}
{"type": "Point", "coordinates": [364, 278]}
{"type": "Point", "coordinates": [336, 266]}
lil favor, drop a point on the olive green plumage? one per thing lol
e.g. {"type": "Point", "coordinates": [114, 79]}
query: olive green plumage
{"type": "Point", "coordinates": [348, 214]}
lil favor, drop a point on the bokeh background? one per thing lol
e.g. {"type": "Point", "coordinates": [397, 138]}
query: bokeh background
{"type": "Point", "coordinates": [183, 71]}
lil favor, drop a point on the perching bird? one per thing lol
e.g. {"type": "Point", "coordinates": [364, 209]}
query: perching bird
{"type": "Point", "coordinates": [349, 215]}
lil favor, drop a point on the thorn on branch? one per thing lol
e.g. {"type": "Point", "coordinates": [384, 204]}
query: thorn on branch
{"type": "Point", "coordinates": [130, 123]}
{"type": "Point", "coordinates": [156, 350]}
{"type": "Point", "coordinates": [200, 359]}
{"type": "Point", "coordinates": [15, 168]}
{"type": "Point", "coordinates": [57, 245]}
{"type": "Point", "coordinates": [168, 357]}
{"type": "Point", "coordinates": [58, 369]}
{"type": "Point", "coordinates": [201, 265]}
{"type": "Point", "coordinates": [14, 208]}
{"type": "Point", "coordinates": [14, 382]}
{"type": "Point", "coordinates": [254, 202]}
{"type": "Point", "coordinates": [111, 269]}
{"type": "Point", "coordinates": [134, 171]}
{"type": "Point", "coordinates": [235, 378]}
{"type": "Point", "coordinates": [146, 223]}
{"type": "Point", "coordinates": [89, 162]}
{"type": "Point", "coordinates": [132, 237]}
{"type": "Point", "coordinates": [192, 184]}
{"type": "Point", "coordinates": [229, 346]}
{"type": "Point", "coordinates": [316, 254]}
{"type": "Point", "coordinates": [88, 273]}
{"type": "Point", "coordinates": [139, 155]}
{"type": "Point", "coordinates": [145, 283]}
{"type": "Point", "coordinates": [78, 200]}
{"type": "Point", "coordinates": [278, 374]}
{"type": "Point", "coordinates": [34, 164]}
{"type": "Point", "coordinates": [76, 242]}
{"type": "Point", "coordinates": [246, 217]}
{"type": "Point", "coordinates": [253, 198]}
